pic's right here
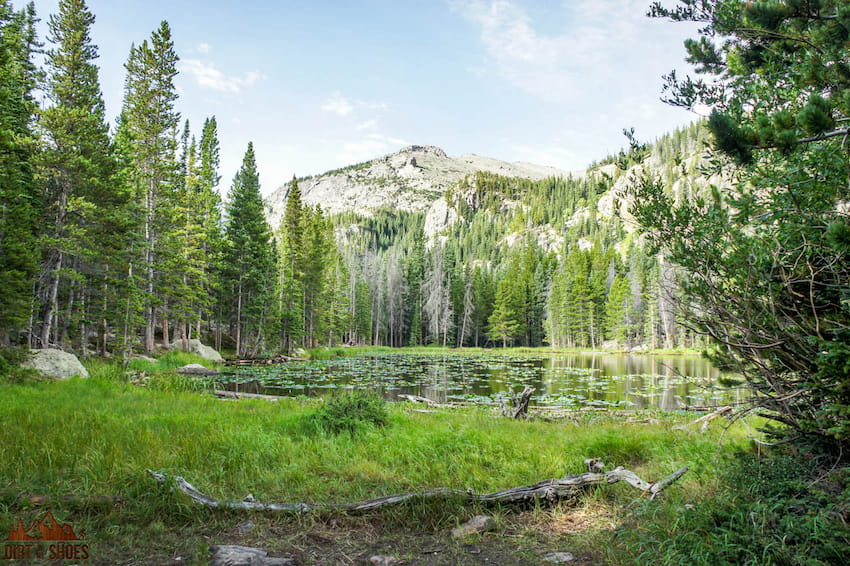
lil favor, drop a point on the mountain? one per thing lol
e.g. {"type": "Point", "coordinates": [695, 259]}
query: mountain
{"type": "Point", "coordinates": [411, 179]}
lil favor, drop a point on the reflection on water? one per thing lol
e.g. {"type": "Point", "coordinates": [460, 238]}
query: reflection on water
{"type": "Point", "coordinates": [570, 380]}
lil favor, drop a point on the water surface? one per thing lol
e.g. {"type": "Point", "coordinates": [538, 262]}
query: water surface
{"type": "Point", "coordinates": [571, 380]}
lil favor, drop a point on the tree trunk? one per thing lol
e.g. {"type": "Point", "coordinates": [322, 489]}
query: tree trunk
{"type": "Point", "coordinates": [568, 487]}
{"type": "Point", "coordinates": [150, 242]}
{"type": "Point", "coordinates": [166, 334]}
{"type": "Point", "coordinates": [52, 301]}
{"type": "Point", "coordinates": [239, 321]}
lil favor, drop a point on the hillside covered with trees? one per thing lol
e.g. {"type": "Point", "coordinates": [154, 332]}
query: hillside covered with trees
{"type": "Point", "coordinates": [117, 241]}
{"type": "Point", "coordinates": [731, 235]}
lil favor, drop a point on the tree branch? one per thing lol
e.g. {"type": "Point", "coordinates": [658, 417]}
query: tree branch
{"type": "Point", "coordinates": [568, 487]}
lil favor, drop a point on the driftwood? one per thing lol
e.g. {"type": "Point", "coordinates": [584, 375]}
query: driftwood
{"type": "Point", "coordinates": [706, 419]}
{"type": "Point", "coordinates": [233, 555]}
{"type": "Point", "coordinates": [263, 361]}
{"type": "Point", "coordinates": [568, 487]}
{"type": "Point", "coordinates": [35, 500]}
{"type": "Point", "coordinates": [240, 395]}
{"type": "Point", "coordinates": [519, 404]}
{"type": "Point", "coordinates": [419, 399]}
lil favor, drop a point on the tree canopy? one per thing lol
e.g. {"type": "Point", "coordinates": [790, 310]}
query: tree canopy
{"type": "Point", "coordinates": [766, 255]}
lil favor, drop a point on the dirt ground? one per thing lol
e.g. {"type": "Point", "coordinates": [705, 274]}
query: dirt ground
{"type": "Point", "coordinates": [520, 538]}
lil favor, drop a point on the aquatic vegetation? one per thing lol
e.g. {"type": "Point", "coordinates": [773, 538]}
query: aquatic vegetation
{"type": "Point", "coordinates": [571, 380]}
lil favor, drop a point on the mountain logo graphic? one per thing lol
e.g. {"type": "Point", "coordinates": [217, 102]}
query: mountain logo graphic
{"type": "Point", "coordinates": [46, 530]}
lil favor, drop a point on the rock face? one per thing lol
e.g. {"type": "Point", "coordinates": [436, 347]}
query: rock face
{"type": "Point", "coordinates": [196, 347]}
{"type": "Point", "coordinates": [55, 364]}
{"type": "Point", "coordinates": [411, 179]}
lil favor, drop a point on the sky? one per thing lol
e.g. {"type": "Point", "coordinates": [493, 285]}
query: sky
{"type": "Point", "coordinates": [320, 84]}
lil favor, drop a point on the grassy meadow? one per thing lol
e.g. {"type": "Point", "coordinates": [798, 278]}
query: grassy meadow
{"type": "Point", "coordinates": [96, 437]}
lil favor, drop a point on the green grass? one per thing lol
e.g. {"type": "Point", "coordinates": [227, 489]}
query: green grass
{"type": "Point", "coordinates": [340, 351]}
{"type": "Point", "coordinates": [785, 507]}
{"type": "Point", "coordinates": [337, 352]}
{"type": "Point", "coordinates": [98, 436]}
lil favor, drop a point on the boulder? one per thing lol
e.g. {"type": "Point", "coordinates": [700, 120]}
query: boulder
{"type": "Point", "coordinates": [558, 558]}
{"type": "Point", "coordinates": [476, 525]}
{"type": "Point", "coordinates": [55, 364]}
{"type": "Point", "coordinates": [234, 555]}
{"type": "Point", "coordinates": [196, 369]}
{"type": "Point", "coordinates": [196, 347]}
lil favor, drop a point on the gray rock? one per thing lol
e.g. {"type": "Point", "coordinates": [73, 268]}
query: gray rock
{"type": "Point", "coordinates": [234, 555]}
{"type": "Point", "coordinates": [55, 364]}
{"type": "Point", "coordinates": [245, 527]}
{"type": "Point", "coordinates": [558, 557]}
{"type": "Point", "coordinates": [196, 369]}
{"type": "Point", "coordinates": [196, 347]}
{"type": "Point", "coordinates": [477, 524]}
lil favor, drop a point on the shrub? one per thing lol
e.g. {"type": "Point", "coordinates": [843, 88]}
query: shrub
{"type": "Point", "coordinates": [351, 412]}
{"type": "Point", "coordinates": [779, 509]}
{"type": "Point", "coordinates": [10, 366]}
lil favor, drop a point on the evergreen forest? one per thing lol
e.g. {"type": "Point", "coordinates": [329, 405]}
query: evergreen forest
{"type": "Point", "coordinates": [119, 240]}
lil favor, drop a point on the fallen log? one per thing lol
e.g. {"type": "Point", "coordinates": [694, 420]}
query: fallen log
{"type": "Point", "coordinates": [262, 361]}
{"type": "Point", "coordinates": [568, 487]}
{"type": "Point", "coordinates": [419, 399]}
{"type": "Point", "coordinates": [706, 419]}
{"type": "Point", "coordinates": [36, 500]}
{"type": "Point", "coordinates": [239, 395]}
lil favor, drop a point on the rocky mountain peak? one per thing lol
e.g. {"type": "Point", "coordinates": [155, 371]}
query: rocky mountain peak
{"type": "Point", "coordinates": [410, 179]}
{"type": "Point", "coordinates": [430, 149]}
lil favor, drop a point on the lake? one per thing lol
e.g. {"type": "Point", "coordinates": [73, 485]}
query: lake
{"type": "Point", "coordinates": [579, 380]}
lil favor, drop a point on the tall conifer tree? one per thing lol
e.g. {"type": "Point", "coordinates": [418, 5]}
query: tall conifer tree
{"type": "Point", "coordinates": [249, 259]}
{"type": "Point", "coordinates": [19, 198]}
{"type": "Point", "coordinates": [76, 164]}
{"type": "Point", "coordinates": [291, 297]}
{"type": "Point", "coordinates": [152, 122]}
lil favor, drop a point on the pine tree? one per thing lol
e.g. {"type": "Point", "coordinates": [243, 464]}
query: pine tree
{"type": "Point", "coordinates": [317, 245]}
{"type": "Point", "coordinates": [20, 203]}
{"type": "Point", "coordinates": [249, 260]}
{"type": "Point", "coordinates": [617, 310]}
{"type": "Point", "coordinates": [767, 255]}
{"type": "Point", "coordinates": [76, 165]}
{"type": "Point", "coordinates": [209, 217]}
{"type": "Point", "coordinates": [290, 277]}
{"type": "Point", "coordinates": [151, 123]}
{"type": "Point", "coordinates": [505, 322]}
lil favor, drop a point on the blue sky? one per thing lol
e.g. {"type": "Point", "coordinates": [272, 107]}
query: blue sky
{"type": "Point", "coordinates": [318, 84]}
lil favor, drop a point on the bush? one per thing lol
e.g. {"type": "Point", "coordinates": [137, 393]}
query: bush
{"type": "Point", "coordinates": [781, 509]}
{"type": "Point", "coordinates": [10, 366]}
{"type": "Point", "coordinates": [351, 412]}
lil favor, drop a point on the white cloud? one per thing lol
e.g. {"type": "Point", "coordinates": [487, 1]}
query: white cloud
{"type": "Point", "coordinates": [338, 104]}
{"type": "Point", "coordinates": [377, 106]}
{"type": "Point", "coordinates": [594, 37]}
{"type": "Point", "coordinates": [367, 125]}
{"type": "Point", "coordinates": [203, 48]}
{"type": "Point", "coordinates": [207, 76]}
{"type": "Point", "coordinates": [553, 155]}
